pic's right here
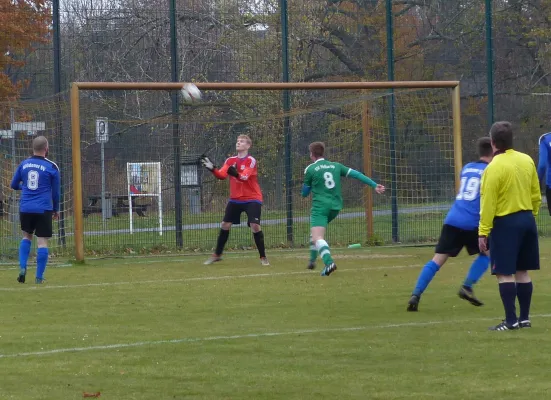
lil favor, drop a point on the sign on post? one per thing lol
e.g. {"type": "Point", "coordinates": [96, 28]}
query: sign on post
{"type": "Point", "coordinates": [102, 130]}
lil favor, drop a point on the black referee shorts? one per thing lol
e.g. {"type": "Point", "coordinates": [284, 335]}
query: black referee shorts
{"type": "Point", "coordinates": [39, 224]}
{"type": "Point", "coordinates": [234, 211]}
{"type": "Point", "coordinates": [453, 239]}
{"type": "Point", "coordinates": [514, 244]}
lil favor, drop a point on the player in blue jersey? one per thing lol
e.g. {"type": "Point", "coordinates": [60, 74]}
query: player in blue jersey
{"type": "Point", "coordinates": [543, 166]}
{"type": "Point", "coordinates": [38, 179]}
{"type": "Point", "coordinates": [460, 230]}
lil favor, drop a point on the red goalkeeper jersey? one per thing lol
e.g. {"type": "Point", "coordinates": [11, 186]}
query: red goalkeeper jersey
{"type": "Point", "coordinates": [244, 188]}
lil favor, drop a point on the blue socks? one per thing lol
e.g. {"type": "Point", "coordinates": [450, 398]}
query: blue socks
{"type": "Point", "coordinates": [41, 261]}
{"type": "Point", "coordinates": [478, 268]}
{"type": "Point", "coordinates": [24, 250]}
{"type": "Point", "coordinates": [429, 270]}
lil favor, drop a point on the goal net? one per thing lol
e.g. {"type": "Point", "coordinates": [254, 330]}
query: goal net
{"type": "Point", "coordinates": [20, 123]}
{"type": "Point", "coordinates": [403, 140]}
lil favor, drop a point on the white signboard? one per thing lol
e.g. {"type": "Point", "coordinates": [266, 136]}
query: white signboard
{"type": "Point", "coordinates": [28, 126]}
{"type": "Point", "coordinates": [102, 130]}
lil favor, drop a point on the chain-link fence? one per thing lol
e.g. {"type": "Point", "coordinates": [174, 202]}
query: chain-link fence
{"type": "Point", "coordinates": [240, 41]}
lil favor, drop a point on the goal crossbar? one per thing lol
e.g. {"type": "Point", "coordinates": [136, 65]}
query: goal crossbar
{"type": "Point", "coordinates": [76, 87]}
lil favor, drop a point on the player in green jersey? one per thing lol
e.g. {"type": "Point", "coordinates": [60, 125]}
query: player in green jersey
{"type": "Point", "coordinates": [323, 179]}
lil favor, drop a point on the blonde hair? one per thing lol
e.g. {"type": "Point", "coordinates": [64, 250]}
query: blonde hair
{"type": "Point", "coordinates": [40, 144]}
{"type": "Point", "coordinates": [247, 138]}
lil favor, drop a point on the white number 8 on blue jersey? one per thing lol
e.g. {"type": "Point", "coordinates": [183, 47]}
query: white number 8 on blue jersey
{"type": "Point", "coordinates": [32, 180]}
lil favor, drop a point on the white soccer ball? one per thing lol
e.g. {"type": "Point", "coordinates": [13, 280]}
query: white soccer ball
{"type": "Point", "coordinates": [191, 93]}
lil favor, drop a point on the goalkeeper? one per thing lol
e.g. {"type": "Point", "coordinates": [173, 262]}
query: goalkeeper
{"type": "Point", "coordinates": [245, 196]}
{"type": "Point", "coordinates": [323, 179]}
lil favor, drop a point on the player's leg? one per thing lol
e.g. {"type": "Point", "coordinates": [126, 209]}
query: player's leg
{"type": "Point", "coordinates": [254, 212]}
{"type": "Point", "coordinates": [221, 241]}
{"type": "Point", "coordinates": [43, 233]}
{"type": "Point", "coordinates": [504, 250]}
{"type": "Point", "coordinates": [318, 221]}
{"type": "Point", "coordinates": [313, 254]}
{"type": "Point", "coordinates": [425, 277]}
{"type": "Point", "coordinates": [318, 233]}
{"type": "Point", "coordinates": [528, 260]}
{"type": "Point", "coordinates": [449, 245]}
{"type": "Point", "coordinates": [42, 254]}
{"type": "Point", "coordinates": [27, 221]}
{"type": "Point", "coordinates": [476, 271]}
{"type": "Point", "coordinates": [322, 219]}
{"type": "Point", "coordinates": [232, 214]}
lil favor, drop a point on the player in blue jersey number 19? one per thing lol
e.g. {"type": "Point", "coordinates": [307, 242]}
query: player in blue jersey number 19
{"type": "Point", "coordinates": [460, 230]}
{"type": "Point", "coordinates": [323, 179]}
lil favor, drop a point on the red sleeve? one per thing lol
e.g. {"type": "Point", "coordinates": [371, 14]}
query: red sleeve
{"type": "Point", "coordinates": [250, 169]}
{"type": "Point", "coordinates": [222, 173]}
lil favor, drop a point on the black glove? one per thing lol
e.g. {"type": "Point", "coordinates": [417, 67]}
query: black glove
{"type": "Point", "coordinates": [233, 171]}
{"type": "Point", "coordinates": [207, 163]}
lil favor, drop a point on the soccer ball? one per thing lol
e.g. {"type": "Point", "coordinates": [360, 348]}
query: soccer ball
{"type": "Point", "coordinates": [191, 93]}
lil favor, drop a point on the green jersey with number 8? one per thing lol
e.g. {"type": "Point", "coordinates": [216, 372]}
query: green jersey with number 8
{"type": "Point", "coordinates": [324, 177]}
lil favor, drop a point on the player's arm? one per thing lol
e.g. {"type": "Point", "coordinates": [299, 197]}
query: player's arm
{"type": "Point", "coordinates": [307, 185]}
{"type": "Point", "coordinates": [17, 180]}
{"type": "Point", "coordinates": [352, 173]}
{"type": "Point", "coordinates": [250, 170]}
{"type": "Point", "coordinates": [56, 190]}
{"type": "Point", "coordinates": [220, 173]}
{"type": "Point", "coordinates": [489, 187]}
{"type": "Point", "coordinates": [536, 193]}
{"type": "Point", "coordinates": [543, 161]}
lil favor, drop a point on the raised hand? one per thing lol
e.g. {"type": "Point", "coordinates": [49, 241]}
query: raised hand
{"type": "Point", "coordinates": [380, 189]}
{"type": "Point", "coordinates": [233, 171]}
{"type": "Point", "coordinates": [207, 163]}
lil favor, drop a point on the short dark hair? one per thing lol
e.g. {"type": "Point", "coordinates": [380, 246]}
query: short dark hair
{"type": "Point", "coordinates": [501, 134]}
{"type": "Point", "coordinates": [317, 149]}
{"type": "Point", "coordinates": [484, 147]}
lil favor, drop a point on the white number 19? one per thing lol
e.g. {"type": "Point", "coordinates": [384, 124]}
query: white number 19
{"type": "Point", "coordinates": [469, 189]}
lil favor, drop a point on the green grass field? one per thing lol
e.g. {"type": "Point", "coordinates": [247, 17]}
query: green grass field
{"type": "Point", "coordinates": [172, 328]}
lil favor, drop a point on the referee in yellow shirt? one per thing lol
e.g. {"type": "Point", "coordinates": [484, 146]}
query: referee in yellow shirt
{"type": "Point", "coordinates": [509, 199]}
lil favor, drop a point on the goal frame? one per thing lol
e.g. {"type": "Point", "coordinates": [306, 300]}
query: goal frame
{"type": "Point", "coordinates": [76, 87]}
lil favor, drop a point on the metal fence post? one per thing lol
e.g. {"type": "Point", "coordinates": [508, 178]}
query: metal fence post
{"type": "Point", "coordinates": [175, 125]}
{"type": "Point", "coordinates": [392, 120]}
{"type": "Point", "coordinates": [286, 103]}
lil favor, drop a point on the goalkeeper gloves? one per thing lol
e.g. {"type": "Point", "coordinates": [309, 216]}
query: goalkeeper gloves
{"type": "Point", "coordinates": [233, 171]}
{"type": "Point", "coordinates": [207, 163]}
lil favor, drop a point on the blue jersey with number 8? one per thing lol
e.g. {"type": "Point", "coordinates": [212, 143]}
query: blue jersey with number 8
{"type": "Point", "coordinates": [465, 212]}
{"type": "Point", "coordinates": [38, 179]}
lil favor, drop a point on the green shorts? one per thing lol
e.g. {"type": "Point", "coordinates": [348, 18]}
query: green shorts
{"type": "Point", "coordinates": [322, 217]}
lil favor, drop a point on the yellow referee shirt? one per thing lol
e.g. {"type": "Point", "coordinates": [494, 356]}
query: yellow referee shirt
{"type": "Point", "coordinates": [509, 184]}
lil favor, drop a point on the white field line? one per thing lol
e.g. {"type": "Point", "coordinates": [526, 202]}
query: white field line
{"type": "Point", "coordinates": [200, 278]}
{"type": "Point", "coordinates": [31, 267]}
{"type": "Point", "coordinates": [109, 261]}
{"type": "Point", "coordinates": [249, 336]}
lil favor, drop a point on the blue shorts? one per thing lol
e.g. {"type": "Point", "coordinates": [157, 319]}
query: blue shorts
{"type": "Point", "coordinates": [514, 244]}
